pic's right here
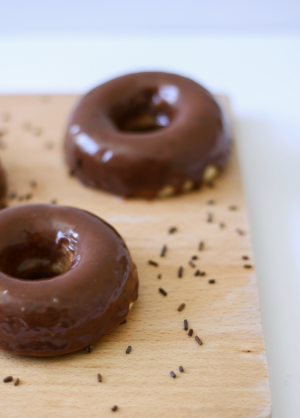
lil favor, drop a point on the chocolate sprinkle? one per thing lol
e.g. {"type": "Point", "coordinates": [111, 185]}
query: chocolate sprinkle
{"type": "Point", "coordinates": [181, 307]}
{"type": "Point", "coordinates": [192, 264]}
{"type": "Point", "coordinates": [114, 408]}
{"type": "Point", "coordinates": [198, 340]}
{"type": "Point", "coordinates": [180, 271]}
{"type": "Point", "coordinates": [7, 379]}
{"type": "Point", "coordinates": [159, 276]}
{"type": "Point", "coordinates": [209, 217]}
{"type": "Point", "coordinates": [163, 251]}
{"type": "Point", "coordinates": [211, 202]}
{"type": "Point", "coordinates": [12, 195]}
{"type": "Point", "coordinates": [181, 369]}
{"type": "Point", "coordinates": [190, 333]}
{"type": "Point", "coordinates": [195, 257]}
{"type": "Point", "coordinates": [222, 225]}
{"type": "Point", "coordinates": [245, 257]}
{"type": "Point", "coordinates": [33, 183]}
{"type": "Point", "coordinates": [162, 291]}
{"type": "Point", "coordinates": [123, 322]}
{"type": "Point", "coordinates": [239, 231]}
{"type": "Point", "coordinates": [16, 382]}
{"type": "Point", "coordinates": [89, 348]}
{"type": "Point", "coordinates": [173, 375]}
{"type": "Point", "coordinates": [128, 349]}
{"type": "Point", "coordinates": [232, 207]}
{"type": "Point", "coordinates": [28, 196]}
{"type": "Point", "coordinates": [172, 229]}
{"type": "Point", "coordinates": [53, 201]}
{"type": "Point", "coordinates": [201, 246]}
{"type": "Point", "coordinates": [211, 281]}
{"type": "Point", "coordinates": [247, 266]}
{"type": "Point", "coordinates": [185, 325]}
{"type": "Point", "coordinates": [202, 273]}
{"type": "Point", "coordinates": [197, 273]}
{"type": "Point", "coordinates": [99, 378]}
{"type": "Point", "coordinates": [153, 263]}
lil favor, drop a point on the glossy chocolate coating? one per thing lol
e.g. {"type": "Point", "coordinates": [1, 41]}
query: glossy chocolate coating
{"type": "Point", "coordinates": [139, 133]}
{"type": "Point", "coordinates": [66, 279]}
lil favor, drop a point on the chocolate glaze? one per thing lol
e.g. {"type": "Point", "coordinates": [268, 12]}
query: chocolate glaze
{"type": "Point", "coordinates": [66, 279]}
{"type": "Point", "coordinates": [140, 133]}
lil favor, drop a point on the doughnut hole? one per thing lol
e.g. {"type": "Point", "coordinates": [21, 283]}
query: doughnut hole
{"type": "Point", "coordinates": [148, 110]}
{"type": "Point", "coordinates": [39, 255]}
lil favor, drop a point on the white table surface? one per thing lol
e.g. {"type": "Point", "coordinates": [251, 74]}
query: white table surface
{"type": "Point", "coordinates": [260, 74]}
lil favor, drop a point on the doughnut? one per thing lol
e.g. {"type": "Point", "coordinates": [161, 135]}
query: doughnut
{"type": "Point", "coordinates": [149, 134]}
{"type": "Point", "coordinates": [66, 279]}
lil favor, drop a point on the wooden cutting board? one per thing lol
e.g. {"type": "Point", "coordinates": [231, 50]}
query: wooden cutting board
{"type": "Point", "coordinates": [225, 377]}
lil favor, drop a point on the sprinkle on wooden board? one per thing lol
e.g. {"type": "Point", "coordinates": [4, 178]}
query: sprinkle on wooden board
{"type": "Point", "coordinates": [172, 229]}
{"type": "Point", "coordinates": [198, 340]}
{"type": "Point", "coordinates": [128, 350]}
{"type": "Point", "coordinates": [201, 246]}
{"type": "Point", "coordinates": [181, 307]}
{"type": "Point", "coordinates": [199, 273]}
{"type": "Point", "coordinates": [173, 375]}
{"type": "Point", "coordinates": [240, 231]}
{"type": "Point", "coordinates": [247, 266]}
{"type": "Point", "coordinates": [190, 333]}
{"type": "Point", "coordinates": [192, 264]}
{"type": "Point", "coordinates": [12, 195]}
{"type": "Point", "coordinates": [233, 207]}
{"type": "Point", "coordinates": [211, 202]}
{"type": "Point", "coordinates": [163, 251]}
{"type": "Point", "coordinates": [16, 382]}
{"type": "Point", "coordinates": [162, 291]}
{"type": "Point", "coordinates": [181, 369]}
{"type": "Point", "coordinates": [209, 217]}
{"type": "Point", "coordinates": [153, 263]}
{"type": "Point", "coordinates": [194, 257]}
{"type": "Point", "coordinates": [222, 225]}
{"type": "Point", "coordinates": [123, 322]}
{"type": "Point", "coordinates": [159, 276]}
{"type": "Point", "coordinates": [89, 348]}
{"type": "Point", "coordinates": [7, 379]}
{"type": "Point", "coordinates": [114, 408]}
{"type": "Point", "coordinates": [245, 257]}
{"type": "Point", "coordinates": [180, 272]}
{"type": "Point", "coordinates": [99, 377]}
{"type": "Point", "coordinates": [211, 281]}
{"type": "Point", "coordinates": [185, 325]}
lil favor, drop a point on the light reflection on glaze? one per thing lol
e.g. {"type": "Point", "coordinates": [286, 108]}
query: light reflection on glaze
{"type": "Point", "coordinates": [107, 156]}
{"type": "Point", "coordinates": [169, 93]}
{"type": "Point", "coordinates": [87, 144]}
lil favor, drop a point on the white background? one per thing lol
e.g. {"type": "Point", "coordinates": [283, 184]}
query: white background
{"type": "Point", "coordinates": [249, 50]}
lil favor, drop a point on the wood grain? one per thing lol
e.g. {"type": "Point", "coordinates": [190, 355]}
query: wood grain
{"type": "Point", "coordinates": [226, 377]}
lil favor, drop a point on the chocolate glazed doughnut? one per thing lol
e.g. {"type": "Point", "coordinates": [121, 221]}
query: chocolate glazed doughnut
{"type": "Point", "coordinates": [146, 135]}
{"type": "Point", "coordinates": [66, 279]}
